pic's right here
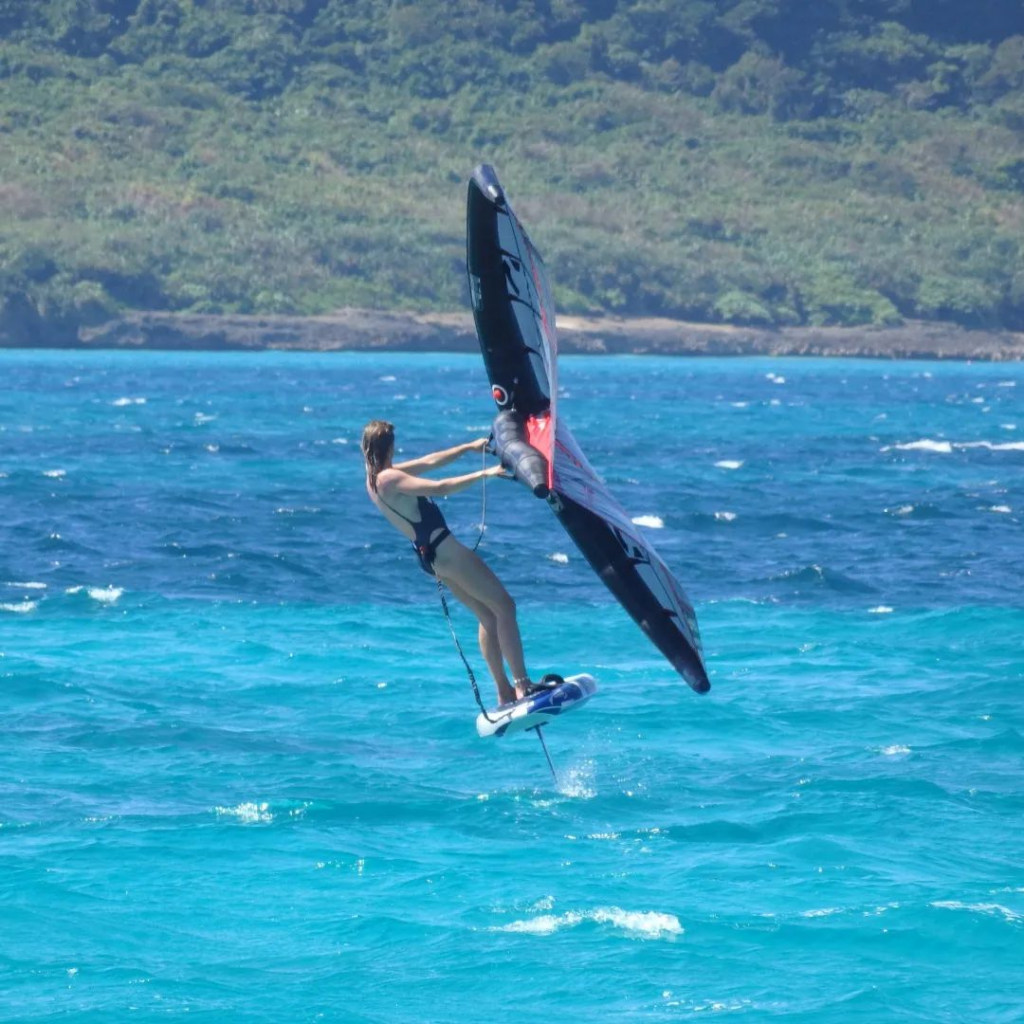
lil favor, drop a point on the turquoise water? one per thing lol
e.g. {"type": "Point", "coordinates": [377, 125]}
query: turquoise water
{"type": "Point", "coordinates": [240, 781]}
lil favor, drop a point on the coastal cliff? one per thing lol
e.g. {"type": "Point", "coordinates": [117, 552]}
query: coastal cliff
{"type": "Point", "coordinates": [365, 329]}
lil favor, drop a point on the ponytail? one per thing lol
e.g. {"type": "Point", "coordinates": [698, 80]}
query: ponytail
{"type": "Point", "coordinates": [378, 443]}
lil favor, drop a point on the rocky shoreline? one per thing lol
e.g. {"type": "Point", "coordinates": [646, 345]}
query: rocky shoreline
{"type": "Point", "coordinates": [363, 329]}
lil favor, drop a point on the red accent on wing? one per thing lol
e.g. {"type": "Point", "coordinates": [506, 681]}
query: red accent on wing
{"type": "Point", "coordinates": [540, 434]}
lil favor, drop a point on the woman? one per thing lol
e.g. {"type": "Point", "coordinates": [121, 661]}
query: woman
{"type": "Point", "coordinates": [406, 501]}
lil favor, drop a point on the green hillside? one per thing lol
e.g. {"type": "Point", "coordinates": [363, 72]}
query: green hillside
{"type": "Point", "coordinates": [745, 161]}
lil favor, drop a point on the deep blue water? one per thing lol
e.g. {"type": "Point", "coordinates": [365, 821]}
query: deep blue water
{"type": "Point", "coordinates": [239, 778]}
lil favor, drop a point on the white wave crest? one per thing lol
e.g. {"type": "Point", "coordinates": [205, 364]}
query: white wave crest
{"type": "Point", "coordinates": [636, 924]}
{"type": "Point", "coordinates": [725, 517]}
{"type": "Point", "coordinates": [882, 609]}
{"type": "Point", "coordinates": [991, 909]}
{"type": "Point", "coordinates": [105, 595]}
{"type": "Point", "coordinates": [998, 446]}
{"type": "Point", "coordinates": [120, 402]}
{"type": "Point", "coordinates": [26, 586]}
{"type": "Point", "coordinates": [248, 813]}
{"type": "Point", "coordinates": [729, 464]}
{"type": "Point", "coordinates": [946, 447]}
{"type": "Point", "coordinates": [651, 522]}
{"type": "Point", "coordinates": [1001, 508]}
{"type": "Point", "coordinates": [926, 445]}
{"type": "Point", "coordinates": [895, 750]}
{"type": "Point", "coordinates": [18, 607]}
{"type": "Point", "coordinates": [560, 557]}
{"type": "Point", "coordinates": [55, 474]}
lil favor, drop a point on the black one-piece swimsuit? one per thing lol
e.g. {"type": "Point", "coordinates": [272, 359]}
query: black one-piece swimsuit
{"type": "Point", "coordinates": [431, 519]}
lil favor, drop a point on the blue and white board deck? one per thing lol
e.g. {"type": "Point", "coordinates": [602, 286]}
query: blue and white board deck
{"type": "Point", "coordinates": [539, 708]}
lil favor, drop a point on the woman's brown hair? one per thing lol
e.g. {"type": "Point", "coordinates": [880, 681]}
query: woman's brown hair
{"type": "Point", "coordinates": [378, 442]}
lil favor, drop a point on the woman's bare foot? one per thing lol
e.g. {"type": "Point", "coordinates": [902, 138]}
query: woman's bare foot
{"type": "Point", "coordinates": [523, 687]}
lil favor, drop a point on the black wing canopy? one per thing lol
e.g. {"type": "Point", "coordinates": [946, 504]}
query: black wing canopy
{"type": "Point", "coordinates": [515, 324]}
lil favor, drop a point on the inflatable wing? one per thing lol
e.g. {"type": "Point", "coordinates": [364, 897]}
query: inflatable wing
{"type": "Point", "coordinates": [515, 324]}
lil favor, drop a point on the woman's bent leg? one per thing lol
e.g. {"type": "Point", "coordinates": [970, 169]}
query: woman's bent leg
{"type": "Point", "coordinates": [490, 648]}
{"type": "Point", "coordinates": [457, 563]}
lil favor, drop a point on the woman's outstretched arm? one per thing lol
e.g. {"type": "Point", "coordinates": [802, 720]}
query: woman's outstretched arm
{"type": "Point", "coordinates": [435, 460]}
{"type": "Point", "coordinates": [404, 483]}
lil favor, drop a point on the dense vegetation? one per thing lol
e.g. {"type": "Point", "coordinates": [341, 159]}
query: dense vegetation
{"type": "Point", "coordinates": [752, 161]}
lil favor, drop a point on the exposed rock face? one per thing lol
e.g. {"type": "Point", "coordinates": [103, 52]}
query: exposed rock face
{"type": "Point", "coordinates": [912, 340]}
{"type": "Point", "coordinates": [454, 332]}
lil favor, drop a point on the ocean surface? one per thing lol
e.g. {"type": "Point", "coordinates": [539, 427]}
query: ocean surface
{"type": "Point", "coordinates": [239, 776]}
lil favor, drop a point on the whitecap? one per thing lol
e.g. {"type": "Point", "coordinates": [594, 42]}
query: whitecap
{"type": "Point", "coordinates": [202, 417]}
{"type": "Point", "coordinates": [247, 813]}
{"type": "Point", "coordinates": [560, 557]}
{"type": "Point", "coordinates": [729, 464]}
{"type": "Point", "coordinates": [882, 609]}
{"type": "Point", "coordinates": [213, 448]}
{"type": "Point", "coordinates": [894, 750]}
{"type": "Point", "coordinates": [119, 402]}
{"type": "Point", "coordinates": [900, 510]}
{"type": "Point", "coordinates": [1008, 426]}
{"type": "Point", "coordinates": [775, 401]}
{"type": "Point", "coordinates": [927, 445]}
{"type": "Point", "coordinates": [545, 924]}
{"type": "Point", "coordinates": [1003, 446]}
{"type": "Point", "coordinates": [991, 909]}
{"type": "Point", "coordinates": [105, 595]}
{"type": "Point", "coordinates": [389, 379]}
{"type": "Point", "coordinates": [651, 522]}
{"type": "Point", "coordinates": [636, 924]}
{"type": "Point", "coordinates": [19, 607]}
{"type": "Point", "coordinates": [823, 912]}
{"type": "Point", "coordinates": [55, 474]}
{"type": "Point", "coordinates": [1007, 384]}
{"type": "Point", "coordinates": [739, 405]}
{"type": "Point", "coordinates": [725, 517]}
{"type": "Point", "coordinates": [1001, 508]}
{"type": "Point", "coordinates": [339, 440]}
{"type": "Point", "coordinates": [26, 586]}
